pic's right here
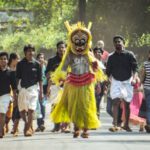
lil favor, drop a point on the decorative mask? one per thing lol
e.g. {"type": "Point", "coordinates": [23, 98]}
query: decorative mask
{"type": "Point", "coordinates": [79, 38]}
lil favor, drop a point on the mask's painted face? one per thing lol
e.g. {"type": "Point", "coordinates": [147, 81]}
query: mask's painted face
{"type": "Point", "coordinates": [79, 41]}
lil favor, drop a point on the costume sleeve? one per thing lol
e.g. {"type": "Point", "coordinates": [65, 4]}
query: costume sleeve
{"type": "Point", "coordinates": [66, 63]}
{"type": "Point", "coordinates": [61, 72]}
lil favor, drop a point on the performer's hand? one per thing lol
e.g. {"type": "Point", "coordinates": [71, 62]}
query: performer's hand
{"type": "Point", "coordinates": [95, 65]}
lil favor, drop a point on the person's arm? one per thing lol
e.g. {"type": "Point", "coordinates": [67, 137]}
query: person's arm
{"type": "Point", "coordinates": [40, 82]}
{"type": "Point", "coordinates": [49, 68]}
{"type": "Point", "coordinates": [47, 72]}
{"type": "Point", "coordinates": [13, 82]}
{"type": "Point", "coordinates": [134, 65]}
{"type": "Point", "coordinates": [48, 92]}
{"type": "Point", "coordinates": [41, 90]}
{"type": "Point", "coordinates": [108, 67]}
{"type": "Point", "coordinates": [142, 74]}
{"type": "Point", "coordinates": [18, 71]}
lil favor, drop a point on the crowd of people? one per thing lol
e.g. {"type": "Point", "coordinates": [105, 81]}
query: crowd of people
{"type": "Point", "coordinates": [25, 85]}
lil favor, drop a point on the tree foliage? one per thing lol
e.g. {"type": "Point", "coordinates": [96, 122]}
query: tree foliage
{"type": "Point", "coordinates": [46, 28]}
{"type": "Point", "coordinates": [130, 18]}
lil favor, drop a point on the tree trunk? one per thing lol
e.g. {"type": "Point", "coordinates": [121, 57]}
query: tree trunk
{"type": "Point", "coordinates": [82, 10]}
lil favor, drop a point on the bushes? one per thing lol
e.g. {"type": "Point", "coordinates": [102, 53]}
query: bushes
{"type": "Point", "coordinates": [40, 37]}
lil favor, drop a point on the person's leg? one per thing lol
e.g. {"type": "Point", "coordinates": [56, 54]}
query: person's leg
{"type": "Point", "coordinates": [39, 116]}
{"type": "Point", "coordinates": [40, 121]}
{"type": "Point", "coordinates": [30, 119]}
{"type": "Point", "coordinates": [16, 118]}
{"type": "Point", "coordinates": [28, 127]}
{"type": "Point", "coordinates": [2, 124]}
{"type": "Point", "coordinates": [127, 115]}
{"type": "Point", "coordinates": [42, 127]}
{"type": "Point", "coordinates": [116, 105]}
{"type": "Point", "coordinates": [98, 100]}
{"type": "Point", "coordinates": [23, 115]}
{"type": "Point", "coordinates": [7, 120]}
{"type": "Point", "coordinates": [56, 127]}
{"type": "Point", "coordinates": [109, 106]}
{"type": "Point", "coordinates": [119, 116]}
{"type": "Point", "coordinates": [38, 125]}
{"type": "Point", "coordinates": [8, 116]}
{"type": "Point", "coordinates": [15, 128]}
{"type": "Point", "coordinates": [147, 98]}
{"type": "Point", "coordinates": [141, 127]}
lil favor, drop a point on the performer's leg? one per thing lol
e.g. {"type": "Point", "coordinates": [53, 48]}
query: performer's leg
{"type": "Point", "coordinates": [85, 133]}
{"type": "Point", "coordinates": [76, 131]}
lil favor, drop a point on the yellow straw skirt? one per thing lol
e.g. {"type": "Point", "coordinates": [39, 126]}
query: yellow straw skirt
{"type": "Point", "coordinates": [77, 104]}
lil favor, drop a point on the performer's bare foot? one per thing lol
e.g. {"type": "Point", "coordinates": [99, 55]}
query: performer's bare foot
{"type": "Point", "coordinates": [76, 134]}
{"type": "Point", "coordinates": [28, 133]}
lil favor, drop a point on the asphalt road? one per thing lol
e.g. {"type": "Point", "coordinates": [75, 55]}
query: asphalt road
{"type": "Point", "coordinates": [100, 139]}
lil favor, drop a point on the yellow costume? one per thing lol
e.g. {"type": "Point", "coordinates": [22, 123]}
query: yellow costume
{"type": "Point", "coordinates": [79, 70]}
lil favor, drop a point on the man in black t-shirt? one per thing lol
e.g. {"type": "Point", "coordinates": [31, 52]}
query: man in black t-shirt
{"type": "Point", "coordinates": [121, 68]}
{"type": "Point", "coordinates": [7, 82]}
{"type": "Point", "coordinates": [53, 63]}
{"type": "Point", "coordinates": [29, 73]}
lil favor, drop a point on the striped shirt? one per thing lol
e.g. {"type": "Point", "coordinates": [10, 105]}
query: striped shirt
{"type": "Point", "coordinates": [147, 76]}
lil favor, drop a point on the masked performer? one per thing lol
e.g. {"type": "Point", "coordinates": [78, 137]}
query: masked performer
{"type": "Point", "coordinates": [79, 70]}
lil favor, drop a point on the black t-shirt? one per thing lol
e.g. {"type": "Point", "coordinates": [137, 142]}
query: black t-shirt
{"type": "Point", "coordinates": [53, 63]}
{"type": "Point", "coordinates": [121, 65]}
{"type": "Point", "coordinates": [7, 81]}
{"type": "Point", "coordinates": [29, 72]}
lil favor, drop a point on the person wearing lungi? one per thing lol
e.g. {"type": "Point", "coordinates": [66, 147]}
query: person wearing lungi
{"type": "Point", "coordinates": [29, 74]}
{"type": "Point", "coordinates": [121, 68]}
{"type": "Point", "coordinates": [7, 82]}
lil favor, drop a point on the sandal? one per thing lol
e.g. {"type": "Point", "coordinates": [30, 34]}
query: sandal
{"type": "Point", "coordinates": [127, 128]}
{"type": "Point", "coordinates": [114, 129]}
{"type": "Point", "coordinates": [84, 135]}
